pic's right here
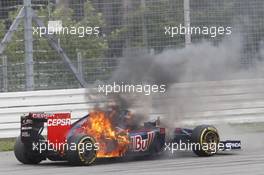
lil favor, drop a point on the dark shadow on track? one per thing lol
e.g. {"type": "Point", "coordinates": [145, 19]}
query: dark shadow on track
{"type": "Point", "coordinates": [177, 155]}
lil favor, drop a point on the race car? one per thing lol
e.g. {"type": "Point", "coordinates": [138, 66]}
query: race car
{"type": "Point", "coordinates": [103, 135]}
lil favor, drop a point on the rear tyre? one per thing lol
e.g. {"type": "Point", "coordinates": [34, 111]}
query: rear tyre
{"type": "Point", "coordinates": [25, 154]}
{"type": "Point", "coordinates": [85, 152]}
{"type": "Point", "coordinates": [205, 139]}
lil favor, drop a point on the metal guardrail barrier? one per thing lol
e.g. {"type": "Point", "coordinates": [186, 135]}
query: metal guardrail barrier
{"type": "Point", "coordinates": [236, 101]}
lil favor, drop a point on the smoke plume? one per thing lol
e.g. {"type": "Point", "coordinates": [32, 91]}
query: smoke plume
{"type": "Point", "coordinates": [200, 62]}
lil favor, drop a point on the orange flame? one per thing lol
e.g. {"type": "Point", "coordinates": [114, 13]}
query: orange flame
{"type": "Point", "coordinates": [111, 142]}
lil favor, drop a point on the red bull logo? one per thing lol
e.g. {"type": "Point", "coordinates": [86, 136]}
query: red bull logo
{"type": "Point", "coordinates": [140, 144]}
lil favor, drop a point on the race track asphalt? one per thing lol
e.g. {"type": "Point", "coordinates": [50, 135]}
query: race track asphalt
{"type": "Point", "coordinates": [248, 161]}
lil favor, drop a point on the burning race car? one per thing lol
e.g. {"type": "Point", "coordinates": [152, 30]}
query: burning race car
{"type": "Point", "coordinates": [106, 135]}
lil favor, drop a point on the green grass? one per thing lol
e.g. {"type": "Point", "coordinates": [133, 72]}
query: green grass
{"type": "Point", "coordinates": [7, 144]}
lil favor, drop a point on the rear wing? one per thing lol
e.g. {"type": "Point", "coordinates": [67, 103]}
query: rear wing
{"type": "Point", "coordinates": [33, 124]}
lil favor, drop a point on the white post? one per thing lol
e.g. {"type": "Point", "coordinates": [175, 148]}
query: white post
{"type": "Point", "coordinates": [5, 78]}
{"type": "Point", "coordinates": [187, 22]}
{"type": "Point", "coordinates": [144, 28]}
{"type": "Point", "coordinates": [28, 37]}
{"type": "Point", "coordinates": [79, 64]}
{"type": "Point", "coordinates": [126, 6]}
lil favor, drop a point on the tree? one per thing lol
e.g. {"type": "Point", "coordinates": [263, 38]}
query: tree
{"type": "Point", "coordinates": [91, 47]}
{"type": "Point", "coordinates": [14, 49]}
{"type": "Point", "coordinates": [146, 24]}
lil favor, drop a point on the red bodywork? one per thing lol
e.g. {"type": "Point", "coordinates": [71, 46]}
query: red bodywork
{"type": "Point", "coordinates": [58, 127]}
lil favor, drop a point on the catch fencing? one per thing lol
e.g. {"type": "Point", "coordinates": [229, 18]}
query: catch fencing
{"type": "Point", "coordinates": [126, 27]}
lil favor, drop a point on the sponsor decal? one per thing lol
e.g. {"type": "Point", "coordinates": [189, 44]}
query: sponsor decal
{"type": "Point", "coordinates": [59, 122]}
{"type": "Point", "coordinates": [40, 115]}
{"type": "Point", "coordinates": [26, 128]}
{"type": "Point", "coordinates": [25, 134]}
{"type": "Point", "coordinates": [233, 145]}
{"type": "Point", "coordinates": [26, 122]}
{"type": "Point", "coordinates": [140, 144]}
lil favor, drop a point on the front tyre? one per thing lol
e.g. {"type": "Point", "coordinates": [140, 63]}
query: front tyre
{"type": "Point", "coordinates": [85, 152]}
{"type": "Point", "coordinates": [205, 140]}
{"type": "Point", "coordinates": [25, 154]}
